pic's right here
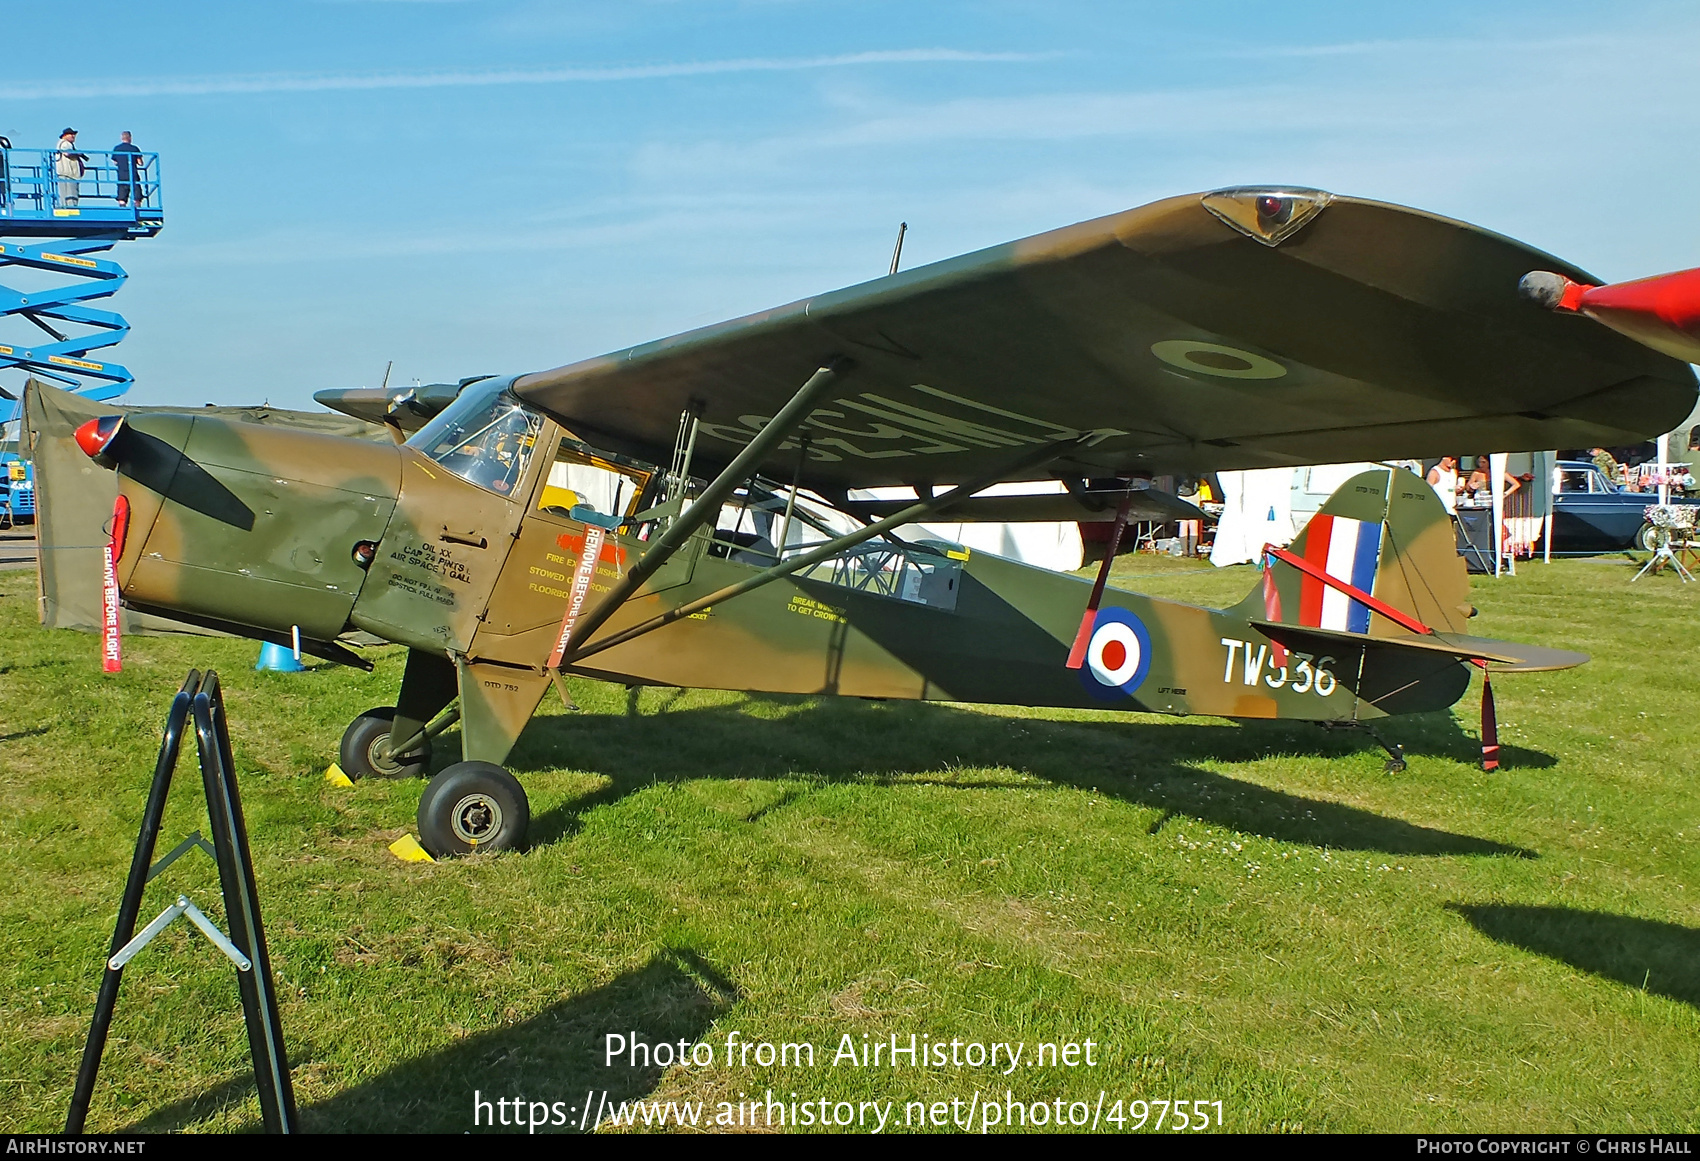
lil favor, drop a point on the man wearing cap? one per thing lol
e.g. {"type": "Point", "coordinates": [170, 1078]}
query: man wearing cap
{"type": "Point", "coordinates": [69, 166]}
{"type": "Point", "coordinates": [128, 159]}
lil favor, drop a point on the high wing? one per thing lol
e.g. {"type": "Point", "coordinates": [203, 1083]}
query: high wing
{"type": "Point", "coordinates": [1238, 329]}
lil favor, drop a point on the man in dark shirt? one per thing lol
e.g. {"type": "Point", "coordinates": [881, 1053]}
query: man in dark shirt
{"type": "Point", "coordinates": [128, 159]}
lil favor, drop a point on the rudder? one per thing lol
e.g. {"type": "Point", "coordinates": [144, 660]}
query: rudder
{"type": "Point", "coordinates": [1384, 532]}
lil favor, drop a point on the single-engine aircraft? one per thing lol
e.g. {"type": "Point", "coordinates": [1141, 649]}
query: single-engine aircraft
{"type": "Point", "coordinates": [565, 522]}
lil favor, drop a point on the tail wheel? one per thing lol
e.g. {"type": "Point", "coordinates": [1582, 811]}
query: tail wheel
{"type": "Point", "coordinates": [470, 807]}
{"type": "Point", "coordinates": [365, 749]}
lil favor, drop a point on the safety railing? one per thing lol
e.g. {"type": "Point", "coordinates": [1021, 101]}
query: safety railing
{"type": "Point", "coordinates": [104, 186]}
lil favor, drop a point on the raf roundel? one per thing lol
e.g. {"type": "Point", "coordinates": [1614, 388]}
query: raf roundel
{"type": "Point", "coordinates": [1118, 655]}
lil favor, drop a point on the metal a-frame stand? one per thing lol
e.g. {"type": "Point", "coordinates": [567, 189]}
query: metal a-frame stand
{"type": "Point", "coordinates": [202, 700]}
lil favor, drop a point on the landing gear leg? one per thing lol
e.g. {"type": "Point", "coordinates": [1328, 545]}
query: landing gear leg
{"type": "Point", "coordinates": [476, 805]}
{"type": "Point", "coordinates": [1395, 751]}
{"type": "Point", "coordinates": [365, 751]}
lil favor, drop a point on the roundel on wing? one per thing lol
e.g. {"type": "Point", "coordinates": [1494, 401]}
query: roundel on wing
{"type": "Point", "coordinates": [1215, 359]}
{"type": "Point", "coordinates": [1118, 655]}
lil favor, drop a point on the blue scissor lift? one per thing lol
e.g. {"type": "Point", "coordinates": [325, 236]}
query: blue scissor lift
{"type": "Point", "coordinates": [53, 223]}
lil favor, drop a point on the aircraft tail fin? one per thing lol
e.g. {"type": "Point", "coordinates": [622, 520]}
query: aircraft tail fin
{"type": "Point", "coordinates": [1383, 534]}
{"type": "Point", "coordinates": [1378, 569]}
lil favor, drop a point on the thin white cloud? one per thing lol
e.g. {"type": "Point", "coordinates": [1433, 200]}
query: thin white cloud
{"type": "Point", "coordinates": [1176, 120]}
{"type": "Point", "coordinates": [1524, 107]}
{"type": "Point", "coordinates": [1429, 49]}
{"type": "Point", "coordinates": [624, 226]}
{"type": "Point", "coordinates": [59, 90]}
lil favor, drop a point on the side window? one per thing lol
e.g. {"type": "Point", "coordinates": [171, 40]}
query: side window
{"type": "Point", "coordinates": [1574, 482]}
{"type": "Point", "coordinates": [925, 573]}
{"type": "Point", "coordinates": [1597, 482]}
{"type": "Point", "coordinates": [581, 479]}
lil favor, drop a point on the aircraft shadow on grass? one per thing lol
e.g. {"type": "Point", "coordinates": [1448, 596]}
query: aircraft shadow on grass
{"type": "Point", "coordinates": [1646, 954]}
{"type": "Point", "coordinates": [1156, 766]}
{"type": "Point", "coordinates": [556, 1055]}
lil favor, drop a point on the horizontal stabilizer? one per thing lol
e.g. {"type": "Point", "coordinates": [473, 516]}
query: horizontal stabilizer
{"type": "Point", "coordinates": [1148, 504]}
{"type": "Point", "coordinates": [1505, 656]}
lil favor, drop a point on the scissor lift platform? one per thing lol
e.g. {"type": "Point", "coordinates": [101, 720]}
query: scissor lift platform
{"type": "Point", "coordinates": [54, 223]}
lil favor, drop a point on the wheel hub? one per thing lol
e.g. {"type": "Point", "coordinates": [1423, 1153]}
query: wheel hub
{"type": "Point", "coordinates": [379, 757]}
{"type": "Point", "coordinates": [476, 819]}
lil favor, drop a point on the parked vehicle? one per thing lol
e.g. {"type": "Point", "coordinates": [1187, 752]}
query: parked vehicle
{"type": "Point", "coordinates": [1594, 514]}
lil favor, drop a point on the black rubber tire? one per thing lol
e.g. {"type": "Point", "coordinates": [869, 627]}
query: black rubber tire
{"type": "Point", "coordinates": [470, 807]}
{"type": "Point", "coordinates": [363, 734]}
{"type": "Point", "coordinates": [1647, 539]}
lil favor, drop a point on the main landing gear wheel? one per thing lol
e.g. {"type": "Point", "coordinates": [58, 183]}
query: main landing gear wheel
{"type": "Point", "coordinates": [365, 749]}
{"type": "Point", "coordinates": [473, 806]}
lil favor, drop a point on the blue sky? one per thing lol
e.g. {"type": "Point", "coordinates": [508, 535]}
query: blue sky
{"type": "Point", "coordinates": [506, 186]}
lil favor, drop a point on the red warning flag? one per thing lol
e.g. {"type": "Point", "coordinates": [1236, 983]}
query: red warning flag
{"type": "Point", "coordinates": [111, 631]}
{"type": "Point", "coordinates": [582, 575]}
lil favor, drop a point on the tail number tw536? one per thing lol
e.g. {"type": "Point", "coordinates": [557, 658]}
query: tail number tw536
{"type": "Point", "coordinates": [1305, 674]}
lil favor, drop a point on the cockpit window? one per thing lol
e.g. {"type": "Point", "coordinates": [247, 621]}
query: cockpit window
{"type": "Point", "coordinates": [485, 437]}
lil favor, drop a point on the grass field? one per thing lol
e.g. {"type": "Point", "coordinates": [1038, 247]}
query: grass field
{"type": "Point", "coordinates": [1252, 914]}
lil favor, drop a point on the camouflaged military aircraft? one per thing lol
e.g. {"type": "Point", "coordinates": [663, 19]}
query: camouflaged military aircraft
{"type": "Point", "coordinates": [565, 522]}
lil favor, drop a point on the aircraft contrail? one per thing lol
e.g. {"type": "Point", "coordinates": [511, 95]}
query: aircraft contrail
{"type": "Point", "coordinates": [304, 83]}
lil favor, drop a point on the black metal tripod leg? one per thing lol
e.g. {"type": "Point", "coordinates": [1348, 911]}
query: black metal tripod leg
{"type": "Point", "coordinates": [130, 907]}
{"type": "Point", "coordinates": [242, 911]}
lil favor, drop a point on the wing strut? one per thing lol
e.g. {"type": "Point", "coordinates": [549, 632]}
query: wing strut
{"type": "Point", "coordinates": [831, 548]}
{"type": "Point", "coordinates": [1077, 654]}
{"type": "Point", "coordinates": [705, 508]}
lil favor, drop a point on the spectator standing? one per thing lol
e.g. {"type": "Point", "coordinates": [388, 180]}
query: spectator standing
{"type": "Point", "coordinates": [1481, 480]}
{"type": "Point", "coordinates": [128, 159]}
{"type": "Point", "coordinates": [68, 165]}
{"type": "Point", "coordinates": [1607, 463]}
{"type": "Point", "coordinates": [1443, 478]}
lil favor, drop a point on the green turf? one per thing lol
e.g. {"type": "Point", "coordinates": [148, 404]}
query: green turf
{"type": "Point", "coordinates": [1253, 914]}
